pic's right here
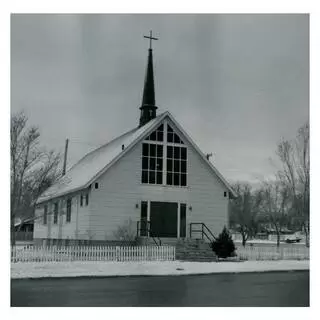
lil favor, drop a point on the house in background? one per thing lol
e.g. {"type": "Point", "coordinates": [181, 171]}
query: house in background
{"type": "Point", "coordinates": [153, 173]}
{"type": "Point", "coordinates": [24, 229]}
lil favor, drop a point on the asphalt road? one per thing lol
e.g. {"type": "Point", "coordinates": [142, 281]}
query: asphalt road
{"type": "Point", "coordinates": [272, 289]}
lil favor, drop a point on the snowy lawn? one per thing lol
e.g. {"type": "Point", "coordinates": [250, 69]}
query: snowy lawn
{"type": "Point", "coordinates": [269, 242]}
{"type": "Point", "coordinates": [109, 269]}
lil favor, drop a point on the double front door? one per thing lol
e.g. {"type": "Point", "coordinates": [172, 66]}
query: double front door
{"type": "Point", "coordinates": [164, 219]}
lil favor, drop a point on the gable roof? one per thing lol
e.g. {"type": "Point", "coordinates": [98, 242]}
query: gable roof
{"type": "Point", "coordinates": [96, 162]}
{"type": "Point", "coordinates": [18, 221]}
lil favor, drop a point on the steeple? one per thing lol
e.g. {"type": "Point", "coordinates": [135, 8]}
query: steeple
{"type": "Point", "coordinates": [148, 107]}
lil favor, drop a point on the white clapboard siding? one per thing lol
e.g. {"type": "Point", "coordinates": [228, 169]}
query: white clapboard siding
{"type": "Point", "coordinates": [272, 253]}
{"type": "Point", "coordinates": [90, 253]}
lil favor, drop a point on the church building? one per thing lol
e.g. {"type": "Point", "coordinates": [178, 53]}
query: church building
{"type": "Point", "coordinates": [153, 176]}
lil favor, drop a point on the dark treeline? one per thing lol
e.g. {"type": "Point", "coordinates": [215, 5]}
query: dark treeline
{"type": "Point", "coordinates": [33, 169]}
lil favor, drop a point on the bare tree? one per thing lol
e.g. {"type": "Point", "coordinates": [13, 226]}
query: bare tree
{"type": "Point", "coordinates": [275, 205]}
{"type": "Point", "coordinates": [295, 175]}
{"type": "Point", "coordinates": [126, 232]}
{"type": "Point", "coordinates": [244, 210]}
{"type": "Point", "coordinates": [33, 169]}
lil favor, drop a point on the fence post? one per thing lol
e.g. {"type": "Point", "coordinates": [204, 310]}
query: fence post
{"type": "Point", "coordinates": [117, 253]}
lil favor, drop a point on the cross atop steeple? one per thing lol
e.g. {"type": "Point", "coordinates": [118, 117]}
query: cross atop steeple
{"type": "Point", "coordinates": [148, 107]}
{"type": "Point", "coordinates": [151, 38]}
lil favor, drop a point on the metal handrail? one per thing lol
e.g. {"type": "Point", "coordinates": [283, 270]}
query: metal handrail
{"type": "Point", "coordinates": [203, 230]}
{"type": "Point", "coordinates": [153, 237]}
{"type": "Point", "coordinates": [148, 231]}
{"type": "Point", "coordinates": [204, 225]}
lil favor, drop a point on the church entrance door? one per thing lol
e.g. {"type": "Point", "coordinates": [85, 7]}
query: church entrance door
{"type": "Point", "coordinates": [163, 219]}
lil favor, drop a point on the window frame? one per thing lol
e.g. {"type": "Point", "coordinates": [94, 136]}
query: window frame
{"type": "Point", "coordinates": [152, 164]}
{"type": "Point", "coordinates": [176, 177]}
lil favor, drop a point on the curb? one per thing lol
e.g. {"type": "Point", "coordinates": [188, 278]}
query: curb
{"type": "Point", "coordinates": [154, 275]}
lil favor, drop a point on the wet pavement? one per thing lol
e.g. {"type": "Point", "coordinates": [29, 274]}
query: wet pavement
{"type": "Point", "coordinates": [268, 289]}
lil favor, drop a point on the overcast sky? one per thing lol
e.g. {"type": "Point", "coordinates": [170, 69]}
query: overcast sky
{"type": "Point", "coordinates": [236, 83]}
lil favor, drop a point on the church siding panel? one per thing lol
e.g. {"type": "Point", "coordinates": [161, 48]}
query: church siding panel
{"type": "Point", "coordinates": [77, 228]}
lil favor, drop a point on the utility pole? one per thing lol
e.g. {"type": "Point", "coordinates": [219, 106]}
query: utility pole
{"type": "Point", "coordinates": [65, 157]}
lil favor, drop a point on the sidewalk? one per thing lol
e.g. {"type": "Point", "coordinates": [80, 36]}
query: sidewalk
{"type": "Point", "coordinates": [111, 269]}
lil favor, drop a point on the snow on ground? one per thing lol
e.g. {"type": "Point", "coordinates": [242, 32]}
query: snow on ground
{"type": "Point", "coordinates": [109, 269]}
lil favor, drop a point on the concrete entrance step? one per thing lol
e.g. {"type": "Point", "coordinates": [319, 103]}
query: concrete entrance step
{"type": "Point", "coordinates": [186, 249]}
{"type": "Point", "coordinates": [195, 250]}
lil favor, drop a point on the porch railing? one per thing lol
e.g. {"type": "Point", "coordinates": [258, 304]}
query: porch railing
{"type": "Point", "coordinates": [203, 230]}
{"type": "Point", "coordinates": [144, 230]}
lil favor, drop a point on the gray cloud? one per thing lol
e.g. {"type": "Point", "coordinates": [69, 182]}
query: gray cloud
{"type": "Point", "coordinates": [237, 83]}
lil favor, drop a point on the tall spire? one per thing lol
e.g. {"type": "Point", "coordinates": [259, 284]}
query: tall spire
{"type": "Point", "coordinates": [148, 107]}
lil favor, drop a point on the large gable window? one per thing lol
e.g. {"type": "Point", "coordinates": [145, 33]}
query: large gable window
{"type": "Point", "coordinates": [152, 163]}
{"type": "Point", "coordinates": [176, 166]}
{"type": "Point", "coordinates": [156, 135]}
{"type": "Point", "coordinates": [152, 157]}
{"type": "Point", "coordinates": [164, 146]}
{"type": "Point", "coordinates": [172, 136]}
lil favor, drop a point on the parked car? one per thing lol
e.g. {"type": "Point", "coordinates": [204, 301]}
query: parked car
{"type": "Point", "coordinates": [292, 238]}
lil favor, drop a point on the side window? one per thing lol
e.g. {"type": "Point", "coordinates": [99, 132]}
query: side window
{"type": "Point", "coordinates": [69, 206]}
{"type": "Point", "coordinates": [55, 213]}
{"type": "Point", "coordinates": [45, 214]}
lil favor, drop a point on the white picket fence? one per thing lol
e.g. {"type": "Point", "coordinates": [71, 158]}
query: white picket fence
{"type": "Point", "coordinates": [273, 253]}
{"type": "Point", "coordinates": [97, 253]}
